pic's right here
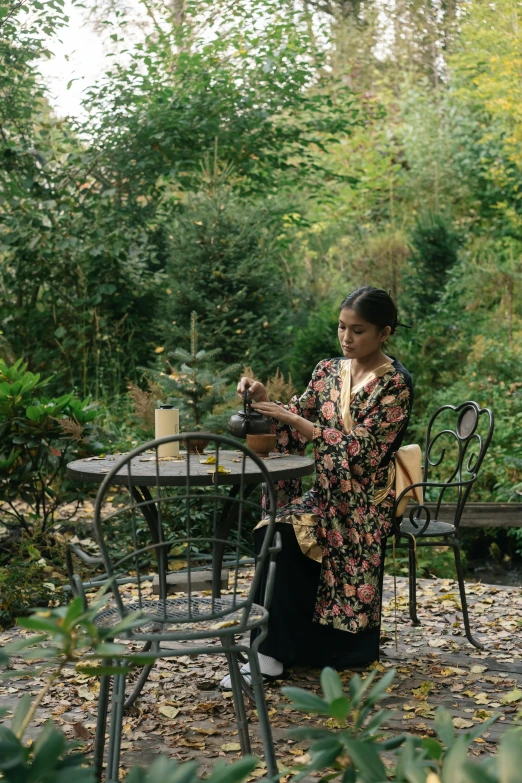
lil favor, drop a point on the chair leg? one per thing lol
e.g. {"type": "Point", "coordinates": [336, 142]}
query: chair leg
{"type": "Point", "coordinates": [239, 703]}
{"type": "Point", "coordinates": [140, 682]}
{"type": "Point", "coordinates": [412, 579]}
{"type": "Point", "coordinates": [463, 600]}
{"type": "Point", "coordinates": [101, 726]}
{"type": "Point", "coordinates": [113, 756]}
{"type": "Point", "coordinates": [262, 711]}
{"type": "Point", "coordinates": [142, 679]}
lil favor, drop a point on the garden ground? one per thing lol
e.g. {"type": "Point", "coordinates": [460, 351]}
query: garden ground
{"type": "Point", "coordinates": [182, 713]}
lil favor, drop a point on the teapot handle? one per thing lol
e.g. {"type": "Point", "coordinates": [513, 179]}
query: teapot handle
{"type": "Point", "coordinates": [247, 399]}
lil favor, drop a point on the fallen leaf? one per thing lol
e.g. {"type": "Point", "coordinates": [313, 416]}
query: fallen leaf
{"type": "Point", "coordinates": [512, 696]}
{"type": "Point", "coordinates": [478, 669]}
{"type": "Point", "coordinates": [206, 706]}
{"type": "Point", "coordinates": [177, 565]}
{"type": "Point", "coordinates": [423, 690]}
{"type": "Point", "coordinates": [81, 732]}
{"type": "Point", "coordinates": [230, 747]}
{"type": "Point", "coordinates": [206, 685]}
{"type": "Point", "coordinates": [187, 743]}
{"type": "Point", "coordinates": [482, 698]}
{"type": "Point", "coordinates": [209, 732]}
{"type": "Point", "coordinates": [85, 693]}
{"type": "Point", "coordinates": [425, 710]}
{"type": "Point", "coordinates": [462, 723]}
{"type": "Point", "coordinates": [224, 624]}
{"type": "Point", "coordinates": [482, 714]}
{"type": "Point", "coordinates": [447, 597]}
{"type": "Point", "coordinates": [169, 712]}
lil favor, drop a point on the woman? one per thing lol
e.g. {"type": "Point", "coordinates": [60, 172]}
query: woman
{"type": "Point", "coordinates": [326, 608]}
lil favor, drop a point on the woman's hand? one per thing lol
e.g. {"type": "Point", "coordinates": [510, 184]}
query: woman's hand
{"type": "Point", "coordinates": [278, 412]}
{"type": "Point", "coordinates": [274, 411]}
{"type": "Point", "coordinates": [256, 389]}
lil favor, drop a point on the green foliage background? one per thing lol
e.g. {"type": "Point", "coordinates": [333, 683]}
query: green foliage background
{"type": "Point", "coordinates": [257, 177]}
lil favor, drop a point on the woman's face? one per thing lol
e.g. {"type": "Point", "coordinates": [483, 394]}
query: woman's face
{"type": "Point", "coordinates": [359, 338]}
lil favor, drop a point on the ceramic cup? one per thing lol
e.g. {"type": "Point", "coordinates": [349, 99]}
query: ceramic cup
{"type": "Point", "coordinates": [196, 446]}
{"type": "Point", "coordinates": [261, 445]}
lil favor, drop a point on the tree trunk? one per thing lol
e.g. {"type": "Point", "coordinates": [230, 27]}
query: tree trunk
{"type": "Point", "coordinates": [178, 7]}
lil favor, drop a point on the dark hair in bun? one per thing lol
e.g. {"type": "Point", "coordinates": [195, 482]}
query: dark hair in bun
{"type": "Point", "coordinates": [375, 305]}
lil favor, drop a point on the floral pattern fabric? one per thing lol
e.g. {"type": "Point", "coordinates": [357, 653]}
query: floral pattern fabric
{"type": "Point", "coordinates": [349, 526]}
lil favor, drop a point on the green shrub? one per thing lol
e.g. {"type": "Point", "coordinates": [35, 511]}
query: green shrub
{"type": "Point", "coordinates": [24, 586]}
{"type": "Point", "coordinates": [225, 265]}
{"type": "Point", "coordinates": [123, 535]}
{"type": "Point", "coordinates": [76, 639]}
{"type": "Point", "coordinates": [352, 752]}
{"type": "Point", "coordinates": [434, 251]}
{"type": "Point", "coordinates": [195, 385]}
{"type": "Point", "coordinates": [431, 562]}
{"type": "Point", "coordinates": [38, 436]}
{"type": "Point", "coordinates": [314, 341]}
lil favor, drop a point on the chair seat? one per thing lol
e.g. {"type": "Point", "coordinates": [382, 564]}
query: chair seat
{"type": "Point", "coordinates": [161, 615]}
{"type": "Point", "coordinates": [435, 528]}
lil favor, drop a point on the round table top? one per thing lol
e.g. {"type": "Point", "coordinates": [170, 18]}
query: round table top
{"type": "Point", "coordinates": [173, 471]}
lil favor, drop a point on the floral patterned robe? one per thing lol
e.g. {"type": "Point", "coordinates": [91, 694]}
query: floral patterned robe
{"type": "Point", "coordinates": [343, 513]}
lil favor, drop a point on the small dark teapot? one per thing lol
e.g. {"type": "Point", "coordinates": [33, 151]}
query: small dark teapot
{"type": "Point", "coordinates": [248, 421]}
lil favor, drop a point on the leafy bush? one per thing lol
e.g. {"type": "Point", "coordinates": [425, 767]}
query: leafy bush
{"type": "Point", "coordinates": [123, 535]}
{"type": "Point", "coordinates": [431, 562]}
{"type": "Point", "coordinates": [314, 341]}
{"type": "Point", "coordinates": [51, 759]}
{"type": "Point", "coordinates": [225, 265]}
{"type": "Point", "coordinates": [352, 753]}
{"type": "Point", "coordinates": [23, 586]}
{"type": "Point", "coordinates": [38, 436]}
{"type": "Point", "coordinates": [195, 386]}
{"type": "Point", "coordinates": [75, 639]}
{"type": "Point", "coordinates": [434, 247]}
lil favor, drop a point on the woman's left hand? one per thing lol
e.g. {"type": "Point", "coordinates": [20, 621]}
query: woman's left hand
{"type": "Point", "coordinates": [274, 411]}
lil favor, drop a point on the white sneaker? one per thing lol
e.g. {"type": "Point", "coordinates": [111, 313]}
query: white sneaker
{"type": "Point", "coordinates": [226, 682]}
{"type": "Point", "coordinates": [271, 669]}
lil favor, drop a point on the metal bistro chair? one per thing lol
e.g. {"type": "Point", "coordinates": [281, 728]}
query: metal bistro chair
{"type": "Point", "coordinates": [195, 622]}
{"type": "Point", "coordinates": [455, 453]}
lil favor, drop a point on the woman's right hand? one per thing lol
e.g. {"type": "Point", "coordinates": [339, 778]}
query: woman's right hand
{"type": "Point", "coordinates": [256, 388]}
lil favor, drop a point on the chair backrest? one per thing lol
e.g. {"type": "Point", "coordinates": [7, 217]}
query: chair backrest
{"type": "Point", "coordinates": [457, 440]}
{"type": "Point", "coordinates": [193, 523]}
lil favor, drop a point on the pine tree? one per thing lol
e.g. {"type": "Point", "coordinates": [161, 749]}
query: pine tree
{"type": "Point", "coordinates": [193, 384]}
{"type": "Point", "coordinates": [434, 252]}
{"type": "Point", "coordinates": [226, 265]}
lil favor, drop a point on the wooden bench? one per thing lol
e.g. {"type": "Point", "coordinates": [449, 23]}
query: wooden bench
{"type": "Point", "coordinates": [481, 514]}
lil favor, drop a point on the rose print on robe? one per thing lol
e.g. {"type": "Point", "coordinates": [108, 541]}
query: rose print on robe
{"type": "Point", "coordinates": [350, 527]}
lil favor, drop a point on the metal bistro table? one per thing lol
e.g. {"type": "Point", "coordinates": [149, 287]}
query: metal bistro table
{"type": "Point", "coordinates": [173, 473]}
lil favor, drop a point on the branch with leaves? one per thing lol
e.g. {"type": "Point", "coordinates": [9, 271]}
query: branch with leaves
{"type": "Point", "coordinates": [193, 383]}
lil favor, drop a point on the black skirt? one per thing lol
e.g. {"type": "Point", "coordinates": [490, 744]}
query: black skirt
{"type": "Point", "coordinates": [293, 638]}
